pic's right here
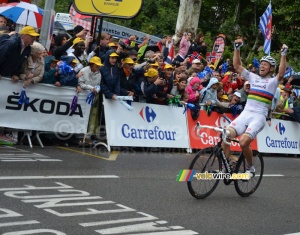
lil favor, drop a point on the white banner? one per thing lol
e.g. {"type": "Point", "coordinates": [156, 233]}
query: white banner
{"type": "Point", "coordinates": [281, 137]}
{"type": "Point", "coordinates": [49, 108]}
{"type": "Point", "coordinates": [147, 125]}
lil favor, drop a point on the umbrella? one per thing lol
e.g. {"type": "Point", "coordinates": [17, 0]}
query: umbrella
{"type": "Point", "coordinates": [23, 13]}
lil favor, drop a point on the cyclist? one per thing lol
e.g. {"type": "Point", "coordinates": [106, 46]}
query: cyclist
{"type": "Point", "coordinates": [263, 87]}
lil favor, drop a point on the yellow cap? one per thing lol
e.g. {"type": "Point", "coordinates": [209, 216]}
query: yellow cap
{"type": "Point", "coordinates": [225, 97]}
{"type": "Point", "coordinates": [77, 40]}
{"type": "Point", "coordinates": [112, 44]}
{"type": "Point", "coordinates": [155, 64]}
{"type": "Point", "coordinates": [30, 31]}
{"type": "Point", "coordinates": [151, 73]}
{"type": "Point", "coordinates": [128, 61]}
{"type": "Point", "coordinates": [96, 60]}
{"type": "Point", "coordinates": [74, 61]}
{"type": "Point", "coordinates": [168, 66]}
{"type": "Point", "coordinates": [113, 54]}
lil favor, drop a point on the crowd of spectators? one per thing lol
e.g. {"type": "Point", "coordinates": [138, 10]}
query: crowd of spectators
{"type": "Point", "coordinates": [124, 68]}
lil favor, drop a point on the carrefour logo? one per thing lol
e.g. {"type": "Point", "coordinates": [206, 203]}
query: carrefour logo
{"type": "Point", "coordinates": [280, 128]}
{"type": "Point", "coordinates": [148, 114]}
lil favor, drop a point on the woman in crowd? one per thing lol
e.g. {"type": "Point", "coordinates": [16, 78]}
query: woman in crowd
{"type": "Point", "coordinates": [33, 68]}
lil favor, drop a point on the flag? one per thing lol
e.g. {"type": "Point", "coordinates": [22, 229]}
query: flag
{"type": "Point", "coordinates": [288, 72]}
{"type": "Point", "coordinates": [194, 56]}
{"type": "Point", "coordinates": [170, 56]}
{"type": "Point", "coordinates": [255, 63]}
{"type": "Point", "coordinates": [219, 46]}
{"type": "Point", "coordinates": [211, 57]}
{"type": "Point", "coordinates": [265, 25]}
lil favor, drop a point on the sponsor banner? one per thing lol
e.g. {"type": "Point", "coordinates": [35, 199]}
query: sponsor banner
{"type": "Point", "coordinates": [115, 30]}
{"type": "Point", "coordinates": [147, 125]}
{"type": "Point", "coordinates": [49, 108]}
{"type": "Point", "coordinates": [210, 137]}
{"type": "Point", "coordinates": [281, 137]}
{"type": "Point", "coordinates": [119, 31]}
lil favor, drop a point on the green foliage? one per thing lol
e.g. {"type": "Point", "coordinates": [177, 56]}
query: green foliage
{"type": "Point", "coordinates": [231, 17]}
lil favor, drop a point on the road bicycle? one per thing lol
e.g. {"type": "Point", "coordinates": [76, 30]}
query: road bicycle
{"type": "Point", "coordinates": [210, 160]}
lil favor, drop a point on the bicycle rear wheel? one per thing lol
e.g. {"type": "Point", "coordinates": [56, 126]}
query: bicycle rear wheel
{"type": "Point", "coordinates": [246, 187]}
{"type": "Point", "coordinates": [205, 160]}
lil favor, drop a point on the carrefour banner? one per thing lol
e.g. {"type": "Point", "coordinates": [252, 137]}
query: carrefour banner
{"type": "Point", "coordinates": [281, 137]}
{"type": "Point", "coordinates": [48, 109]}
{"type": "Point", "coordinates": [147, 125]}
{"type": "Point", "coordinates": [210, 137]}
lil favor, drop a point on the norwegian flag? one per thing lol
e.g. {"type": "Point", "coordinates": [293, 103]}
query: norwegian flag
{"type": "Point", "coordinates": [170, 57]}
{"type": "Point", "coordinates": [211, 57]}
{"type": "Point", "coordinates": [194, 56]}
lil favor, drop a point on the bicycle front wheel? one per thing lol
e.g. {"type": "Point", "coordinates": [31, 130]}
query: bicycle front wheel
{"type": "Point", "coordinates": [246, 187]}
{"type": "Point", "coordinates": [205, 161]}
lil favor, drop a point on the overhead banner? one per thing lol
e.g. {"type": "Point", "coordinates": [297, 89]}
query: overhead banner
{"type": "Point", "coordinates": [147, 125]}
{"type": "Point", "coordinates": [49, 108]}
{"type": "Point", "coordinates": [109, 8]}
{"type": "Point", "coordinates": [114, 30]}
{"type": "Point", "coordinates": [119, 31]}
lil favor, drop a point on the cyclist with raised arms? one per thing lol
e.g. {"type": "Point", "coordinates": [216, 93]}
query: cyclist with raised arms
{"type": "Point", "coordinates": [263, 87]}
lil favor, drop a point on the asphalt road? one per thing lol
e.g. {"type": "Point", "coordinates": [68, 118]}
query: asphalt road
{"type": "Point", "coordinates": [71, 190]}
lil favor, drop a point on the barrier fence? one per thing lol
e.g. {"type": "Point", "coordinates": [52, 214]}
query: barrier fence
{"type": "Point", "coordinates": [147, 125]}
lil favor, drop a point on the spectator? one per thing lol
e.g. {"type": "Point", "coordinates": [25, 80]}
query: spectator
{"type": "Point", "coordinates": [113, 46]}
{"type": "Point", "coordinates": [2, 21]}
{"type": "Point", "coordinates": [131, 79]}
{"type": "Point", "coordinates": [33, 68]}
{"type": "Point", "coordinates": [90, 78]}
{"type": "Point", "coordinates": [244, 92]}
{"type": "Point", "coordinates": [110, 82]}
{"type": "Point", "coordinates": [197, 67]}
{"type": "Point", "coordinates": [209, 93]}
{"type": "Point", "coordinates": [164, 91]}
{"type": "Point", "coordinates": [79, 53]}
{"type": "Point", "coordinates": [193, 90]}
{"type": "Point", "coordinates": [227, 83]}
{"type": "Point", "coordinates": [283, 103]}
{"type": "Point", "coordinates": [14, 51]}
{"type": "Point", "coordinates": [101, 49]}
{"type": "Point", "coordinates": [4, 30]}
{"type": "Point", "coordinates": [220, 92]}
{"type": "Point", "coordinates": [133, 54]}
{"type": "Point", "coordinates": [179, 88]}
{"type": "Point", "coordinates": [62, 44]}
{"type": "Point", "coordinates": [69, 78]}
{"type": "Point", "coordinates": [184, 46]}
{"type": "Point", "coordinates": [198, 45]}
{"type": "Point", "coordinates": [50, 73]}
{"type": "Point", "coordinates": [150, 85]}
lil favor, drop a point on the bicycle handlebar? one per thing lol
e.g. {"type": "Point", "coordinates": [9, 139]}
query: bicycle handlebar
{"type": "Point", "coordinates": [225, 133]}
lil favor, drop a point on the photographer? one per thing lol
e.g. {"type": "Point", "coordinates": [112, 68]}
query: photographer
{"type": "Point", "coordinates": [231, 83]}
{"type": "Point", "coordinates": [150, 85]}
{"type": "Point", "coordinates": [164, 91]}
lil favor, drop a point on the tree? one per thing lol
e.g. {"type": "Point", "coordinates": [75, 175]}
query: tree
{"type": "Point", "coordinates": [188, 17]}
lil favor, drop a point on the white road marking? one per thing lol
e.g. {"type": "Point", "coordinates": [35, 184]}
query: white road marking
{"type": "Point", "coordinates": [59, 177]}
{"type": "Point", "coordinates": [272, 175]}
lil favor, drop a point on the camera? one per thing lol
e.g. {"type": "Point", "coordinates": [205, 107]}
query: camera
{"type": "Point", "coordinates": [151, 61]}
{"type": "Point", "coordinates": [124, 45]}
